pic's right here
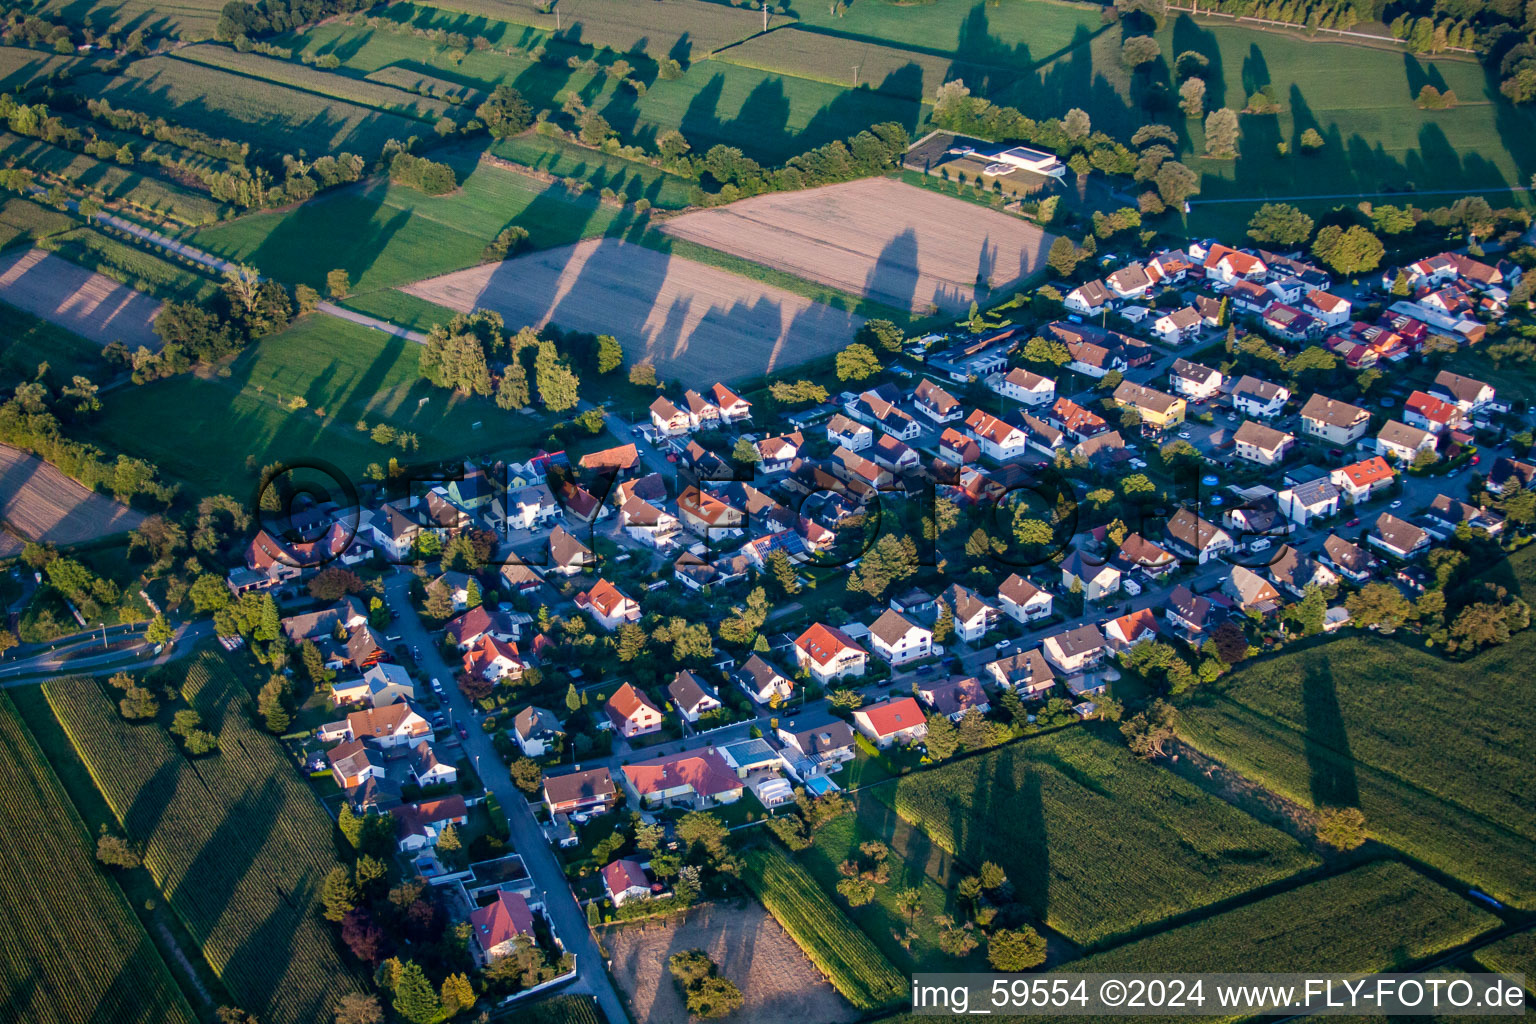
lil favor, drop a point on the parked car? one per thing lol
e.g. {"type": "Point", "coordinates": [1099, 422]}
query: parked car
{"type": "Point", "coordinates": [1396, 504]}
{"type": "Point", "coordinates": [463, 732]}
{"type": "Point", "coordinates": [1262, 544]}
{"type": "Point", "coordinates": [1002, 645]}
{"type": "Point", "coordinates": [1352, 522]}
{"type": "Point", "coordinates": [437, 687]}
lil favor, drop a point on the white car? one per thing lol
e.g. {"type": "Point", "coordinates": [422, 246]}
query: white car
{"type": "Point", "coordinates": [1003, 645]}
{"type": "Point", "coordinates": [1184, 434]}
{"type": "Point", "coordinates": [1261, 544]}
{"type": "Point", "coordinates": [1396, 504]}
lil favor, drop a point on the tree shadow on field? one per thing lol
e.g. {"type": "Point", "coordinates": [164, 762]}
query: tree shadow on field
{"type": "Point", "coordinates": [1419, 75]}
{"type": "Point", "coordinates": [1255, 71]}
{"type": "Point", "coordinates": [1334, 779]}
{"type": "Point", "coordinates": [273, 942]}
{"type": "Point", "coordinates": [1188, 35]}
{"type": "Point", "coordinates": [348, 230]}
{"type": "Point", "coordinates": [894, 279]}
{"type": "Point", "coordinates": [153, 798]}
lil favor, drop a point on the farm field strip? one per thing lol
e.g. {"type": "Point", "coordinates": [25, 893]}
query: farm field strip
{"type": "Point", "coordinates": [686, 318]}
{"type": "Point", "coordinates": [145, 191]}
{"type": "Point", "coordinates": [879, 238]}
{"type": "Point", "coordinates": [658, 28]}
{"type": "Point", "coordinates": [89, 304]}
{"type": "Point", "coordinates": [850, 961]}
{"type": "Point", "coordinates": [74, 952]}
{"type": "Point", "coordinates": [1098, 843]}
{"type": "Point", "coordinates": [42, 504]}
{"type": "Point", "coordinates": [1513, 954]}
{"type": "Point", "coordinates": [314, 80]}
{"type": "Point", "coordinates": [185, 19]}
{"type": "Point", "coordinates": [236, 842]}
{"type": "Point", "coordinates": [140, 269]}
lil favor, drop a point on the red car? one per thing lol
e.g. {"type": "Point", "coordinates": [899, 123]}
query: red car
{"type": "Point", "coordinates": [1353, 522]}
{"type": "Point", "coordinates": [463, 732]}
{"type": "Point", "coordinates": [1476, 459]}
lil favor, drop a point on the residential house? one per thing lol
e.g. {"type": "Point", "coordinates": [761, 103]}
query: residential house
{"type": "Point", "coordinates": [952, 698]}
{"type": "Point", "coordinates": [1446, 515]}
{"type": "Point", "coordinates": [668, 419]}
{"type": "Point", "coordinates": [379, 686]}
{"type": "Point", "coordinates": [849, 433]}
{"type": "Point", "coordinates": [878, 408]}
{"type": "Point", "coordinates": [1226, 265]}
{"type": "Point", "coordinates": [457, 585]}
{"type": "Point", "coordinates": [1193, 537]}
{"type": "Point", "coordinates": [1403, 442]}
{"type": "Point", "coordinates": [1312, 500]}
{"type": "Point", "coordinates": [899, 640]}
{"type": "Point", "coordinates": [1248, 297]}
{"type": "Point", "coordinates": [1158, 411]}
{"type": "Point", "coordinates": [828, 654]}
{"type": "Point", "coordinates": [1109, 444]}
{"type": "Point", "coordinates": [1023, 386]}
{"type": "Point", "coordinates": [1327, 308]}
{"type": "Point", "coordinates": [775, 454]}
{"type": "Point", "coordinates": [621, 460]}
{"type": "Point", "coordinates": [1130, 282]}
{"type": "Point", "coordinates": [732, 407]}
{"type": "Point", "coordinates": [1094, 360]}
{"type": "Point", "coordinates": [591, 791]}
{"type": "Point", "coordinates": [1136, 552]}
{"type": "Point", "coordinates": [394, 532]}
{"type": "Point", "coordinates": [536, 731]}
{"type": "Point", "coordinates": [1397, 537]}
{"type": "Point", "coordinates": [892, 455]}
{"type": "Point", "coordinates": [1027, 672]}
{"type": "Point", "coordinates": [691, 696]}
{"type": "Point", "coordinates": [496, 927]}
{"type": "Point", "coordinates": [532, 507]}
{"type": "Point", "coordinates": [1509, 474]}
{"type": "Point", "coordinates": [1022, 601]}
{"type": "Point", "coordinates": [1258, 443]}
{"type": "Point", "coordinates": [1349, 560]}
{"type": "Point", "coordinates": [427, 770]}
{"type": "Point", "coordinates": [648, 523]}
{"type": "Point", "coordinates": [1190, 614]}
{"type": "Point", "coordinates": [893, 720]}
{"type": "Point", "coordinates": [346, 614]}
{"type": "Point", "coordinates": [1469, 394]}
{"type": "Point", "coordinates": [624, 880]}
{"type": "Point", "coordinates": [392, 726]}
{"type": "Point", "coordinates": [936, 403]}
{"type": "Point", "coordinates": [467, 629]}
{"type": "Point", "coordinates": [420, 825]}
{"type": "Point", "coordinates": [692, 778]}
{"type": "Point", "coordinates": [608, 605]}
{"type": "Point", "coordinates": [1430, 413]}
{"type": "Point", "coordinates": [1251, 592]}
{"type": "Point", "coordinates": [632, 712]}
{"type": "Point", "coordinates": [1289, 323]}
{"type": "Point", "coordinates": [958, 449]}
{"type": "Point", "coordinates": [1131, 629]}
{"type": "Point", "coordinates": [1257, 516]}
{"type": "Point", "coordinates": [1075, 420]}
{"type": "Point", "coordinates": [1337, 422]}
{"type": "Point", "coordinates": [567, 555]}
{"type": "Point", "coordinates": [1293, 571]}
{"type": "Point", "coordinates": [974, 618]}
{"type": "Point", "coordinates": [353, 764]}
{"type": "Point", "coordinates": [1194, 381]}
{"type": "Point", "coordinates": [1362, 480]}
{"type": "Point", "coordinates": [1090, 299]}
{"type": "Point", "coordinates": [1075, 650]}
{"type": "Point", "coordinates": [710, 513]}
{"type": "Point", "coordinates": [494, 660]}
{"type": "Point", "coordinates": [997, 438]}
{"type": "Point", "coordinates": [1259, 398]}
{"type": "Point", "coordinates": [1038, 434]}
{"type": "Point", "coordinates": [815, 743]}
{"type": "Point", "coordinates": [1095, 579]}
{"type": "Point", "coordinates": [1178, 325]}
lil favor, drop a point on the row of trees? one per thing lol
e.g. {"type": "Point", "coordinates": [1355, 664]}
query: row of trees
{"type": "Point", "coordinates": [1071, 137]}
{"type": "Point", "coordinates": [461, 355]}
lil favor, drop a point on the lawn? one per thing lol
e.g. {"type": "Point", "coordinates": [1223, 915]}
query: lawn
{"type": "Point", "coordinates": [235, 840]}
{"type": "Point", "coordinates": [228, 427]}
{"type": "Point", "coordinates": [1398, 732]}
{"type": "Point", "coordinates": [684, 29]}
{"type": "Point", "coordinates": [1097, 843]}
{"type": "Point", "coordinates": [58, 898]}
{"type": "Point", "coordinates": [273, 118]}
{"type": "Point", "coordinates": [387, 235]}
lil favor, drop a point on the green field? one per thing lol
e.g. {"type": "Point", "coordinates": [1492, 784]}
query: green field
{"type": "Point", "coordinates": [1097, 843]}
{"type": "Point", "coordinates": [1381, 917]}
{"type": "Point", "coordinates": [74, 952]}
{"type": "Point", "coordinates": [344, 373]}
{"type": "Point", "coordinates": [147, 192]}
{"type": "Point", "coordinates": [185, 19]}
{"type": "Point", "coordinates": [568, 160]}
{"type": "Point", "coordinates": [22, 67]}
{"type": "Point", "coordinates": [24, 222]}
{"type": "Point", "coordinates": [26, 342]}
{"type": "Point", "coordinates": [236, 841]}
{"type": "Point", "coordinates": [314, 80]}
{"type": "Point", "coordinates": [684, 29]}
{"type": "Point", "coordinates": [1370, 722]}
{"type": "Point", "coordinates": [386, 235]}
{"type": "Point", "coordinates": [1515, 954]}
{"type": "Point", "coordinates": [137, 268]}
{"type": "Point", "coordinates": [275, 119]}
{"type": "Point", "coordinates": [851, 963]}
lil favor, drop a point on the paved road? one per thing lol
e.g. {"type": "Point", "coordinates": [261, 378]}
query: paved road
{"type": "Point", "coordinates": [51, 662]}
{"type": "Point", "coordinates": [570, 921]}
{"type": "Point", "coordinates": [374, 322]}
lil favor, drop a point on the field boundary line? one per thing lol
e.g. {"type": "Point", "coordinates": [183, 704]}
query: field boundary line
{"type": "Point", "coordinates": [329, 98]}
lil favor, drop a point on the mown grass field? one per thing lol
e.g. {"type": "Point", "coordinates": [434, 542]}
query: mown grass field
{"type": "Point", "coordinates": [1373, 723]}
{"type": "Point", "coordinates": [22, 67]}
{"type": "Point", "coordinates": [74, 952]}
{"type": "Point", "coordinates": [684, 29]}
{"type": "Point", "coordinates": [273, 118]}
{"type": "Point", "coordinates": [1097, 843]}
{"type": "Point", "coordinates": [314, 80]}
{"type": "Point", "coordinates": [237, 843]}
{"type": "Point", "coordinates": [145, 191]}
{"type": "Point", "coordinates": [851, 963]}
{"type": "Point", "coordinates": [387, 235]}
{"type": "Point", "coordinates": [343, 372]}
{"type": "Point", "coordinates": [137, 268]}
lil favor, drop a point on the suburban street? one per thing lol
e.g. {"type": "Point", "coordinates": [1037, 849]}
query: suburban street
{"type": "Point", "coordinates": [37, 666]}
{"type": "Point", "coordinates": [567, 917]}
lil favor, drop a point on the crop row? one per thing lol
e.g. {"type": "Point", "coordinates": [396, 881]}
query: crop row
{"type": "Point", "coordinates": [1098, 842]}
{"type": "Point", "coordinates": [148, 193]}
{"type": "Point", "coordinates": [843, 953]}
{"type": "Point", "coordinates": [235, 841]}
{"type": "Point", "coordinates": [73, 950]}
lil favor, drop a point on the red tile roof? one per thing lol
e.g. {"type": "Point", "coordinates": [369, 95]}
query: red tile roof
{"type": "Point", "coordinates": [1368, 472]}
{"type": "Point", "coordinates": [703, 770]}
{"type": "Point", "coordinates": [824, 643]}
{"type": "Point", "coordinates": [502, 921]}
{"type": "Point", "coordinates": [892, 716]}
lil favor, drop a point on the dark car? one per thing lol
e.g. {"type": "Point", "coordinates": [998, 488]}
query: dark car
{"type": "Point", "coordinates": [463, 732]}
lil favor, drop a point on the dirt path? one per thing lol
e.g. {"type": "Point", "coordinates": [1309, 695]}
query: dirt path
{"type": "Point", "coordinates": [1245, 794]}
{"type": "Point", "coordinates": [181, 958]}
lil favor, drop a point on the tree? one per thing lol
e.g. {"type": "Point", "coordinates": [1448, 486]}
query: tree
{"type": "Point", "coordinates": [357, 1008]}
{"type": "Point", "coordinates": [1308, 613]}
{"type": "Point", "coordinates": [1348, 252]}
{"type": "Point", "coordinates": [610, 354]}
{"type": "Point", "coordinates": [558, 385]}
{"type": "Point", "coordinates": [413, 996]}
{"type": "Point", "coordinates": [1342, 828]}
{"type": "Point", "coordinates": [1380, 605]}
{"type": "Point", "coordinates": [1076, 125]}
{"type": "Point", "coordinates": [333, 583]}
{"type": "Point", "coordinates": [272, 703]}
{"type": "Point", "coordinates": [1192, 98]}
{"type": "Point", "coordinates": [457, 994]}
{"type": "Point", "coordinates": [1175, 182]}
{"type": "Point", "coordinates": [1063, 258]}
{"type": "Point", "coordinates": [1147, 732]}
{"type": "Point", "coordinates": [115, 852]}
{"type": "Point", "coordinates": [943, 738]}
{"type": "Point", "coordinates": [1136, 51]}
{"type": "Point", "coordinates": [992, 876]}
{"type": "Point", "coordinates": [1221, 133]}
{"type": "Point", "coordinates": [526, 775]}
{"type": "Point", "coordinates": [339, 894]}
{"type": "Point", "coordinates": [857, 362]}
{"type": "Point", "coordinates": [700, 828]}
{"type": "Point", "coordinates": [642, 375]}
{"type": "Point", "coordinates": [908, 901]}
{"type": "Point", "coordinates": [158, 631]}
{"type": "Point", "coordinates": [138, 704]}
{"type": "Point", "coordinates": [1015, 950]}
{"type": "Point", "coordinates": [857, 891]}
{"type": "Point", "coordinates": [882, 333]}
{"type": "Point", "coordinates": [1311, 140]}
{"type": "Point", "coordinates": [1480, 624]}
{"type": "Point", "coordinates": [1231, 642]}
{"type": "Point", "coordinates": [505, 112]}
{"type": "Point", "coordinates": [1280, 224]}
{"type": "Point", "coordinates": [512, 387]}
{"type": "Point", "coordinates": [338, 283]}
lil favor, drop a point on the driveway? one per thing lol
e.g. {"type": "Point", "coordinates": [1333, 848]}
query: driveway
{"type": "Point", "coordinates": [569, 920]}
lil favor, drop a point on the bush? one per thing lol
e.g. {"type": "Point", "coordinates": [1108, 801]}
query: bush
{"type": "Point", "coordinates": [427, 176]}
